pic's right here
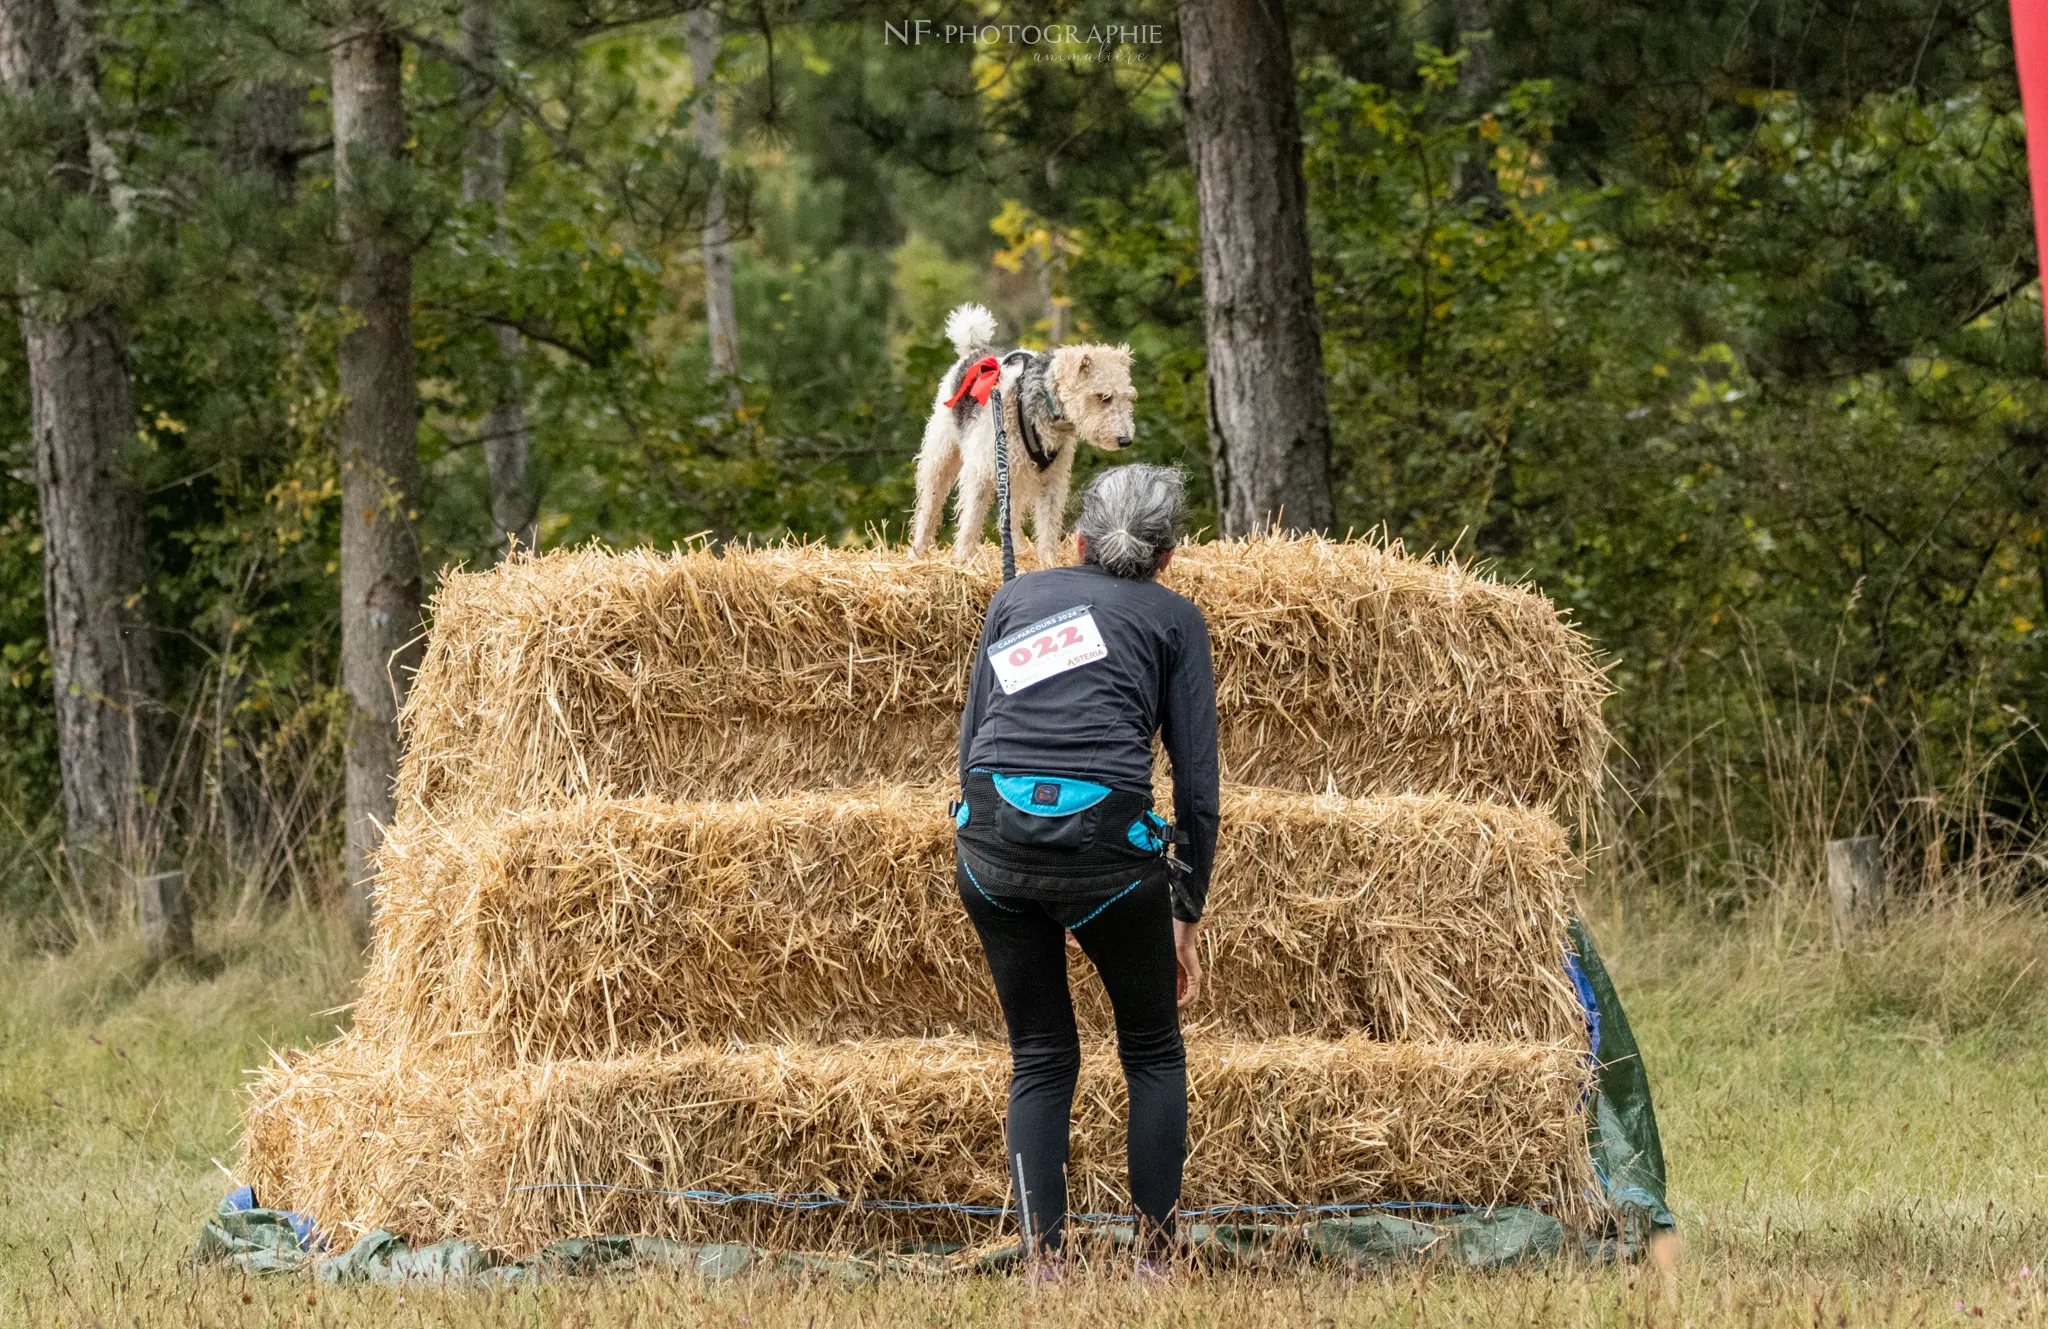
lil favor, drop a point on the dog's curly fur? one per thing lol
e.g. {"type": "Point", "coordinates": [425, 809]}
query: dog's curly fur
{"type": "Point", "coordinates": [1062, 398]}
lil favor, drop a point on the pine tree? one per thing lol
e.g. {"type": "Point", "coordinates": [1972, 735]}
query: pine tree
{"type": "Point", "coordinates": [1269, 426]}
{"type": "Point", "coordinates": [378, 441]}
{"type": "Point", "coordinates": [721, 323]}
{"type": "Point", "coordinates": [508, 445]}
{"type": "Point", "coordinates": [95, 565]}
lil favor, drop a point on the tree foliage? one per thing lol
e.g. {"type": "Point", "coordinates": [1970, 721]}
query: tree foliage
{"type": "Point", "coordinates": [1741, 361]}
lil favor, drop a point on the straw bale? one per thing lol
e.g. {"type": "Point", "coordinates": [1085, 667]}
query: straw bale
{"type": "Point", "coordinates": [439, 1148]}
{"type": "Point", "coordinates": [609, 926]}
{"type": "Point", "coordinates": [1341, 666]}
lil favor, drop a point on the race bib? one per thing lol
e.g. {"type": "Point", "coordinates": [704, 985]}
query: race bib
{"type": "Point", "coordinates": [1050, 646]}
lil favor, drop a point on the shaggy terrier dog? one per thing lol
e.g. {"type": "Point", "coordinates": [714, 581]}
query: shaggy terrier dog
{"type": "Point", "coordinates": [1052, 402]}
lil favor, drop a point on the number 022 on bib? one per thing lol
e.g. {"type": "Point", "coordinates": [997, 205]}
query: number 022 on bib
{"type": "Point", "coordinates": [1050, 646]}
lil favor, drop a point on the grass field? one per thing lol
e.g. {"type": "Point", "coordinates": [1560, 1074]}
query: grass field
{"type": "Point", "coordinates": [1851, 1141]}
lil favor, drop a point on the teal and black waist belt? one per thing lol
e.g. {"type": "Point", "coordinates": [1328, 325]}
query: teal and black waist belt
{"type": "Point", "coordinates": [1056, 837]}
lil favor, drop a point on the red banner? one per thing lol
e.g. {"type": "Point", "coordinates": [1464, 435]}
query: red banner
{"type": "Point", "coordinates": [2030, 54]}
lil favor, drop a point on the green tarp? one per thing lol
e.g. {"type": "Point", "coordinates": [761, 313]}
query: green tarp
{"type": "Point", "coordinates": [1494, 1239]}
{"type": "Point", "coordinates": [1627, 1157]}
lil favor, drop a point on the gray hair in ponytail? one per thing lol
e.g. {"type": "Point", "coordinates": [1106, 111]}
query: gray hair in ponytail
{"type": "Point", "coordinates": [1132, 516]}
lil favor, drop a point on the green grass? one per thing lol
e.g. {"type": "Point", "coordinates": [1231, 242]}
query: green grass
{"type": "Point", "coordinates": [1859, 1141]}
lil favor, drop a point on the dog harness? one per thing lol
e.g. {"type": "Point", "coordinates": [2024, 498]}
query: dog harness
{"type": "Point", "coordinates": [1040, 457]}
{"type": "Point", "coordinates": [981, 378]}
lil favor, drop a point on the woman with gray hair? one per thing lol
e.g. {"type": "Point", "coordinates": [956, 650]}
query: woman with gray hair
{"type": "Point", "coordinates": [1078, 669]}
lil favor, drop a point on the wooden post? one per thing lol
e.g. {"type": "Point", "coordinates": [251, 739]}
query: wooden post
{"type": "Point", "coordinates": [166, 921]}
{"type": "Point", "coordinates": [1855, 883]}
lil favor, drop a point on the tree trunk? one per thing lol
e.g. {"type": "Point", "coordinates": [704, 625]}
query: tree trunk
{"type": "Point", "coordinates": [1052, 286]}
{"type": "Point", "coordinates": [719, 320]}
{"type": "Point", "coordinates": [95, 564]}
{"type": "Point", "coordinates": [379, 454]}
{"type": "Point", "coordinates": [266, 139]}
{"type": "Point", "coordinates": [94, 570]}
{"type": "Point", "coordinates": [508, 446]}
{"type": "Point", "coordinates": [1475, 76]}
{"type": "Point", "coordinates": [1269, 425]}
{"type": "Point", "coordinates": [1472, 175]}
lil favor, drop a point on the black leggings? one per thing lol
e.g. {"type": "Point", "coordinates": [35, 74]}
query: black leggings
{"type": "Point", "coordinates": [1130, 941]}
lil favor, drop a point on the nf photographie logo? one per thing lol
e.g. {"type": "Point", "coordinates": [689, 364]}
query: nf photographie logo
{"type": "Point", "coordinates": [1060, 36]}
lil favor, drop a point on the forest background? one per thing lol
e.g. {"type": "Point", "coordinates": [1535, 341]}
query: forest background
{"type": "Point", "coordinates": [1719, 322]}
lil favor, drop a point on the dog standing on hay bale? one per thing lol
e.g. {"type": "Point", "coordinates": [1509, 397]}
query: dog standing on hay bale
{"type": "Point", "coordinates": [1052, 401]}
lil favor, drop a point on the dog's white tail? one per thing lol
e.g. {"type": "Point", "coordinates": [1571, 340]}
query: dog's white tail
{"type": "Point", "coordinates": [971, 328]}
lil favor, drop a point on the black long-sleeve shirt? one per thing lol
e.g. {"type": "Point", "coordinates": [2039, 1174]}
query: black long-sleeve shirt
{"type": "Point", "coordinates": [1096, 720]}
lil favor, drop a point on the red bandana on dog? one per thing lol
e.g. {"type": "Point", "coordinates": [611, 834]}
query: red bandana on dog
{"type": "Point", "coordinates": [980, 379]}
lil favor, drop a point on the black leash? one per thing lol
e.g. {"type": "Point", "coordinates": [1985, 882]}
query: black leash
{"type": "Point", "coordinates": [995, 401]}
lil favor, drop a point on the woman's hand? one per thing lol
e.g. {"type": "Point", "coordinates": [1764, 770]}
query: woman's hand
{"type": "Point", "coordinates": [1187, 950]}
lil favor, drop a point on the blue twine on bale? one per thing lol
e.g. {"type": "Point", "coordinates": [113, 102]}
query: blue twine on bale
{"type": "Point", "coordinates": [810, 1200]}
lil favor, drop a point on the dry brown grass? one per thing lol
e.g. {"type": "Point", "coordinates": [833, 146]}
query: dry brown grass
{"type": "Point", "coordinates": [612, 926]}
{"type": "Point", "coordinates": [1915, 1185]}
{"type": "Point", "coordinates": [435, 1146]}
{"type": "Point", "coordinates": [1339, 666]}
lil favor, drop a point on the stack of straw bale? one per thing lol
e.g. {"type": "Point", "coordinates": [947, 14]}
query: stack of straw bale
{"type": "Point", "coordinates": [1339, 666]}
{"type": "Point", "coordinates": [451, 1149]}
{"type": "Point", "coordinates": [610, 925]}
{"type": "Point", "coordinates": [669, 908]}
